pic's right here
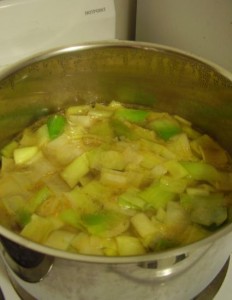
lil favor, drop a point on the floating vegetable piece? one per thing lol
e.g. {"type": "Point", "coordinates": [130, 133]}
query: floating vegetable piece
{"type": "Point", "coordinates": [149, 159]}
{"type": "Point", "coordinates": [201, 171]}
{"type": "Point", "coordinates": [175, 169]}
{"type": "Point", "coordinates": [25, 154]}
{"type": "Point", "coordinates": [59, 239]}
{"type": "Point", "coordinates": [114, 178]}
{"type": "Point", "coordinates": [144, 133]}
{"type": "Point", "coordinates": [42, 135]}
{"type": "Point", "coordinates": [94, 245]}
{"type": "Point", "coordinates": [97, 191]}
{"type": "Point", "coordinates": [81, 201]}
{"type": "Point", "coordinates": [157, 195]}
{"type": "Point", "coordinates": [210, 151]}
{"type": "Point", "coordinates": [193, 233]}
{"type": "Point", "coordinates": [75, 170]}
{"type": "Point", "coordinates": [157, 148]}
{"type": "Point", "coordinates": [38, 199]}
{"type": "Point", "coordinates": [8, 150]}
{"type": "Point", "coordinates": [165, 128]}
{"type": "Point", "coordinates": [56, 125]}
{"type": "Point", "coordinates": [174, 185]}
{"type": "Point", "coordinates": [130, 200]}
{"type": "Point", "coordinates": [81, 243]}
{"type": "Point", "coordinates": [23, 217]}
{"type": "Point", "coordinates": [71, 217]}
{"type": "Point", "coordinates": [13, 203]}
{"type": "Point", "coordinates": [122, 129]}
{"type": "Point", "coordinates": [109, 159]}
{"type": "Point", "coordinates": [129, 245]}
{"type": "Point", "coordinates": [105, 224]}
{"type": "Point", "coordinates": [77, 110]}
{"type": "Point", "coordinates": [103, 130]}
{"type": "Point", "coordinates": [100, 112]}
{"type": "Point", "coordinates": [180, 145]}
{"type": "Point", "coordinates": [137, 116]}
{"type": "Point", "coordinates": [143, 225]}
{"type": "Point", "coordinates": [39, 228]}
{"type": "Point", "coordinates": [27, 208]}
{"type": "Point", "coordinates": [205, 210]}
{"type": "Point", "coordinates": [176, 220]}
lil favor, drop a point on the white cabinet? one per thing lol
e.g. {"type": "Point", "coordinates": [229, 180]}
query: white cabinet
{"type": "Point", "coordinates": [28, 27]}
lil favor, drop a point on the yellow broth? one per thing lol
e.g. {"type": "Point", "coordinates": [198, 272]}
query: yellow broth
{"type": "Point", "coordinates": [114, 180]}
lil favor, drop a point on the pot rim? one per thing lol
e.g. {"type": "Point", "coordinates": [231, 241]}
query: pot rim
{"type": "Point", "coordinates": [206, 242]}
{"type": "Point", "coordinates": [174, 252]}
{"type": "Point", "coordinates": [52, 52]}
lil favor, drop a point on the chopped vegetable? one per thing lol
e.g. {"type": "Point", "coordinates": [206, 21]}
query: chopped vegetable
{"type": "Point", "coordinates": [201, 171]}
{"type": "Point", "coordinates": [122, 129]}
{"type": "Point", "coordinates": [165, 128]}
{"type": "Point", "coordinates": [143, 225]}
{"type": "Point", "coordinates": [71, 217]}
{"type": "Point", "coordinates": [157, 195]}
{"type": "Point", "coordinates": [60, 239]}
{"type": "Point", "coordinates": [129, 245]}
{"type": "Point", "coordinates": [73, 172]}
{"type": "Point", "coordinates": [38, 199]}
{"type": "Point", "coordinates": [107, 224]}
{"type": "Point", "coordinates": [131, 115]}
{"type": "Point", "coordinates": [39, 228]}
{"type": "Point", "coordinates": [205, 210]}
{"type": "Point", "coordinates": [8, 150]}
{"type": "Point", "coordinates": [130, 200]}
{"type": "Point", "coordinates": [25, 154]}
{"type": "Point", "coordinates": [210, 151]}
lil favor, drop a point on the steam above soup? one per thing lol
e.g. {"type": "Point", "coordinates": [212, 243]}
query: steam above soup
{"type": "Point", "coordinates": [114, 180]}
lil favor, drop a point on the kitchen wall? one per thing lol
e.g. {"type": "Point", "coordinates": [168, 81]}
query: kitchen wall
{"type": "Point", "coordinates": [203, 27]}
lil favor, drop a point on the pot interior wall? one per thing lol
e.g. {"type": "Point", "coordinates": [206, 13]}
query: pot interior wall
{"type": "Point", "coordinates": [163, 79]}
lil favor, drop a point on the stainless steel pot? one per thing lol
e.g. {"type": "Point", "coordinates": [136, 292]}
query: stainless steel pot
{"type": "Point", "coordinates": [159, 77]}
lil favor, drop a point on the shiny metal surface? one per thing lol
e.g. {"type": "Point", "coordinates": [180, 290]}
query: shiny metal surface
{"type": "Point", "coordinates": [2, 297]}
{"type": "Point", "coordinates": [159, 77]}
{"type": "Point", "coordinates": [212, 289]}
{"type": "Point", "coordinates": [27, 264]}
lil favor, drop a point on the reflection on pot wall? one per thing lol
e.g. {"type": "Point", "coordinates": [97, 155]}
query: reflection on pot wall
{"type": "Point", "coordinates": [201, 27]}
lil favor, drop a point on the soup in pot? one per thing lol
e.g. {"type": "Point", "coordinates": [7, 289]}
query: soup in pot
{"type": "Point", "coordinates": [114, 180]}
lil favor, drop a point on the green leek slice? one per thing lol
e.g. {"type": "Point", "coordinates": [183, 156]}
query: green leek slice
{"type": "Point", "coordinates": [157, 195]}
{"type": "Point", "coordinates": [137, 116]}
{"type": "Point", "coordinates": [201, 171]}
{"type": "Point", "coordinates": [56, 125]}
{"type": "Point", "coordinates": [165, 128]}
